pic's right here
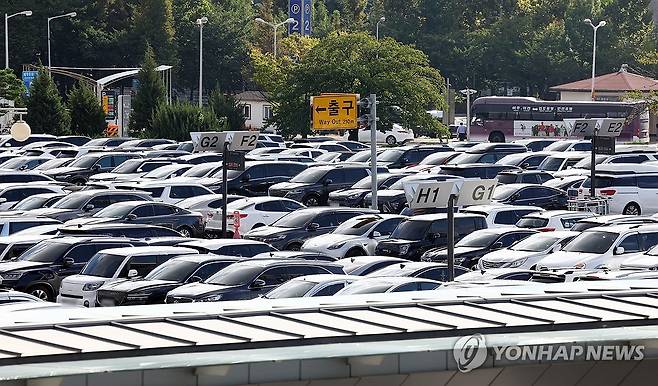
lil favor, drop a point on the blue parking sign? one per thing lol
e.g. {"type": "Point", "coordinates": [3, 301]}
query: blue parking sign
{"type": "Point", "coordinates": [296, 13]}
{"type": "Point", "coordinates": [308, 17]}
{"type": "Point", "coordinates": [28, 77]}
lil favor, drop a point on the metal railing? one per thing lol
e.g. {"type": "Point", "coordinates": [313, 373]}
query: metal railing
{"type": "Point", "coordinates": [598, 205]}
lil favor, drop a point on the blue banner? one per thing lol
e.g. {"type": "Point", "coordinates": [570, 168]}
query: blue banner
{"type": "Point", "coordinates": [308, 17]}
{"type": "Point", "coordinates": [295, 12]}
{"type": "Point", "coordinates": [28, 77]}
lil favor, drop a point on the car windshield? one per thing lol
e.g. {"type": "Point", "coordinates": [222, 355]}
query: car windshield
{"type": "Point", "coordinates": [356, 226]}
{"type": "Point", "coordinates": [504, 192]}
{"type": "Point", "coordinates": [235, 274]}
{"type": "Point", "coordinates": [45, 252]}
{"type": "Point", "coordinates": [118, 210]}
{"type": "Point", "coordinates": [535, 243]}
{"type": "Point", "coordinates": [436, 159]}
{"type": "Point", "coordinates": [295, 219]}
{"type": "Point", "coordinates": [364, 183]}
{"type": "Point", "coordinates": [327, 157]}
{"type": "Point", "coordinates": [466, 158]}
{"type": "Point", "coordinates": [365, 287]}
{"type": "Point", "coordinates": [103, 265]}
{"type": "Point", "coordinates": [230, 174]}
{"type": "Point", "coordinates": [310, 176]}
{"type": "Point", "coordinates": [96, 142]}
{"type": "Point", "coordinates": [532, 222]}
{"type": "Point", "coordinates": [511, 159]}
{"type": "Point", "coordinates": [199, 171]}
{"type": "Point", "coordinates": [33, 202]}
{"type": "Point", "coordinates": [129, 166]}
{"type": "Point", "coordinates": [506, 178]}
{"type": "Point", "coordinates": [558, 146]}
{"type": "Point", "coordinates": [162, 172]}
{"type": "Point", "coordinates": [551, 164]}
{"type": "Point", "coordinates": [362, 156]}
{"type": "Point", "coordinates": [390, 155]}
{"type": "Point", "coordinates": [14, 163]}
{"type": "Point", "coordinates": [591, 242]}
{"type": "Point", "coordinates": [411, 230]}
{"type": "Point", "coordinates": [478, 240]}
{"type": "Point", "coordinates": [72, 201]}
{"type": "Point", "coordinates": [291, 289]}
{"type": "Point", "coordinates": [85, 162]}
{"type": "Point", "coordinates": [173, 270]}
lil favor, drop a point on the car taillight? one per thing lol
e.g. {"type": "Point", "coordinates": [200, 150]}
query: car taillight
{"type": "Point", "coordinates": [608, 192]}
{"type": "Point", "coordinates": [546, 229]}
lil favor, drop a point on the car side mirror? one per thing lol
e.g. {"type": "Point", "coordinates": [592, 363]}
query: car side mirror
{"type": "Point", "coordinates": [88, 207]}
{"type": "Point", "coordinates": [375, 234]}
{"type": "Point", "coordinates": [257, 284]}
{"type": "Point", "coordinates": [131, 217]}
{"type": "Point", "coordinates": [497, 245]}
{"type": "Point", "coordinates": [132, 273]}
{"type": "Point", "coordinates": [68, 262]}
{"type": "Point", "coordinates": [328, 182]}
{"type": "Point", "coordinates": [313, 227]}
{"type": "Point", "coordinates": [96, 167]}
{"type": "Point", "coordinates": [525, 165]}
{"type": "Point", "coordinates": [246, 177]}
{"type": "Point", "coordinates": [194, 279]}
{"type": "Point", "coordinates": [557, 248]}
{"type": "Point", "coordinates": [515, 197]}
{"type": "Point", "coordinates": [619, 251]}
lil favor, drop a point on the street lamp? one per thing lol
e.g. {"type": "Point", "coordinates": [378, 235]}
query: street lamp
{"type": "Point", "coordinates": [7, 17]}
{"type": "Point", "coordinates": [70, 14]}
{"type": "Point", "coordinates": [275, 26]}
{"type": "Point", "coordinates": [602, 23]}
{"type": "Point", "coordinates": [468, 92]}
{"type": "Point", "coordinates": [200, 22]}
{"type": "Point", "coordinates": [381, 20]}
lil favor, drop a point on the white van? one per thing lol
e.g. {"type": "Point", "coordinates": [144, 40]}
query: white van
{"type": "Point", "coordinates": [111, 265]}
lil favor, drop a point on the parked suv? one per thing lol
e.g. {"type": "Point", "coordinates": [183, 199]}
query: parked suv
{"type": "Point", "coordinates": [488, 153]}
{"type": "Point", "coordinates": [483, 171]}
{"type": "Point", "coordinates": [79, 171]}
{"type": "Point", "coordinates": [415, 235]}
{"type": "Point", "coordinates": [250, 278]}
{"type": "Point", "coordinates": [259, 176]}
{"type": "Point", "coordinates": [402, 157]}
{"type": "Point", "coordinates": [312, 186]}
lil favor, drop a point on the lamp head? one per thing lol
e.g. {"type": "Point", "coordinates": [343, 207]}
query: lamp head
{"type": "Point", "coordinates": [587, 21]}
{"type": "Point", "coordinates": [72, 14]}
{"type": "Point", "coordinates": [27, 13]}
{"type": "Point", "coordinates": [202, 21]}
{"type": "Point", "coordinates": [260, 20]}
{"type": "Point", "coordinates": [602, 23]}
{"type": "Point", "coordinates": [382, 19]}
{"type": "Point", "coordinates": [289, 20]}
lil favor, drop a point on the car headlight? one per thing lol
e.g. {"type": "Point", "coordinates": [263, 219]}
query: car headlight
{"type": "Point", "coordinates": [404, 249]}
{"type": "Point", "coordinates": [580, 265]}
{"type": "Point", "coordinates": [294, 192]}
{"type": "Point", "coordinates": [354, 196]}
{"type": "Point", "coordinates": [337, 246]}
{"type": "Point", "coordinates": [517, 263]}
{"type": "Point", "coordinates": [211, 298]}
{"type": "Point", "coordinates": [61, 176]}
{"type": "Point", "coordinates": [274, 238]}
{"type": "Point", "coordinates": [137, 296]}
{"type": "Point", "coordinates": [92, 286]}
{"type": "Point", "coordinates": [11, 275]}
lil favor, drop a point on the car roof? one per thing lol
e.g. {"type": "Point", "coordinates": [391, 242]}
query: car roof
{"type": "Point", "coordinates": [323, 278]}
{"type": "Point", "coordinates": [504, 230]}
{"type": "Point", "coordinates": [363, 260]}
{"type": "Point", "coordinates": [81, 239]}
{"type": "Point", "coordinates": [207, 257]}
{"type": "Point", "coordinates": [501, 207]}
{"type": "Point", "coordinates": [149, 250]}
{"type": "Point", "coordinates": [570, 154]}
{"type": "Point", "coordinates": [258, 200]}
{"type": "Point", "coordinates": [286, 254]}
{"type": "Point", "coordinates": [270, 262]}
{"type": "Point", "coordinates": [442, 216]}
{"type": "Point", "coordinates": [621, 228]}
{"type": "Point", "coordinates": [623, 168]}
{"type": "Point", "coordinates": [25, 219]}
{"type": "Point", "coordinates": [558, 213]}
{"type": "Point", "coordinates": [395, 280]}
{"type": "Point", "coordinates": [13, 239]}
{"type": "Point", "coordinates": [218, 243]}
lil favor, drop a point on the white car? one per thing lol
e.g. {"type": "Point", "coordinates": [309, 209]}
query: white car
{"type": "Point", "coordinates": [355, 237]}
{"type": "Point", "coordinates": [255, 212]}
{"type": "Point", "coordinates": [311, 286]}
{"type": "Point", "coordinates": [13, 246]}
{"type": "Point", "coordinates": [12, 193]}
{"type": "Point", "coordinates": [207, 204]}
{"type": "Point", "coordinates": [570, 145]}
{"type": "Point", "coordinates": [630, 189]}
{"type": "Point", "coordinates": [112, 265]}
{"type": "Point", "coordinates": [363, 265]}
{"type": "Point", "coordinates": [646, 260]}
{"type": "Point", "coordinates": [562, 161]}
{"type": "Point", "coordinates": [604, 247]}
{"type": "Point", "coordinates": [527, 252]}
{"type": "Point", "coordinates": [170, 192]}
{"type": "Point", "coordinates": [501, 215]}
{"type": "Point", "coordinates": [397, 134]}
{"type": "Point", "coordinates": [552, 220]}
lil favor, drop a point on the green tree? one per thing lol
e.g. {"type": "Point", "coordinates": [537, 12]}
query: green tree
{"type": "Point", "coordinates": [227, 109]}
{"type": "Point", "coordinates": [154, 24]}
{"type": "Point", "coordinates": [46, 112]}
{"type": "Point", "coordinates": [87, 115]}
{"type": "Point", "coordinates": [150, 94]}
{"type": "Point", "coordinates": [11, 87]}
{"type": "Point", "coordinates": [176, 121]}
{"type": "Point", "coordinates": [400, 75]}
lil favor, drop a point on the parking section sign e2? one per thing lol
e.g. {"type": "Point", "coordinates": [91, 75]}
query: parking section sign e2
{"type": "Point", "coordinates": [295, 12]}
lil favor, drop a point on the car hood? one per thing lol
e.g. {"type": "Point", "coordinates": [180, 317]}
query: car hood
{"type": "Point", "coordinates": [267, 231]}
{"type": "Point", "coordinates": [289, 185]}
{"type": "Point", "coordinates": [567, 259]}
{"type": "Point", "coordinates": [347, 192]}
{"type": "Point", "coordinates": [198, 289]}
{"type": "Point", "coordinates": [62, 170]}
{"type": "Point", "coordinates": [328, 239]}
{"type": "Point", "coordinates": [136, 285]}
{"type": "Point", "coordinates": [19, 264]}
{"type": "Point", "coordinates": [397, 242]}
{"type": "Point", "coordinates": [388, 194]}
{"type": "Point", "coordinates": [47, 211]}
{"type": "Point", "coordinates": [114, 176]}
{"type": "Point", "coordinates": [90, 220]}
{"type": "Point", "coordinates": [459, 251]}
{"type": "Point", "coordinates": [571, 172]}
{"type": "Point", "coordinates": [507, 256]}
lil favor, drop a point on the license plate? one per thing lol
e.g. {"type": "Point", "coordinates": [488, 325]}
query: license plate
{"type": "Point", "coordinates": [333, 203]}
{"type": "Point", "coordinates": [107, 303]}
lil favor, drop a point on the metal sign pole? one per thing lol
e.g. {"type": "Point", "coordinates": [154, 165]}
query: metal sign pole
{"type": "Point", "coordinates": [451, 238]}
{"type": "Point", "coordinates": [224, 188]}
{"type": "Point", "coordinates": [592, 189]}
{"type": "Point", "coordinates": [373, 149]}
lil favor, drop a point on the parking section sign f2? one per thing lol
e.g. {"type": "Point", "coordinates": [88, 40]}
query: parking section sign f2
{"type": "Point", "coordinates": [423, 195]}
{"type": "Point", "coordinates": [476, 192]}
{"type": "Point", "coordinates": [334, 112]}
{"type": "Point", "coordinates": [242, 140]}
{"type": "Point", "coordinates": [583, 127]}
{"type": "Point", "coordinates": [295, 12]}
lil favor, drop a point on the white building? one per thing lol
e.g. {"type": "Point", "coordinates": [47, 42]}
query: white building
{"type": "Point", "coordinates": [257, 109]}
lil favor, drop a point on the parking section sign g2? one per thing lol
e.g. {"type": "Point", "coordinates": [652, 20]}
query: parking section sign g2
{"type": "Point", "coordinates": [334, 112]}
{"type": "Point", "coordinates": [296, 12]}
{"type": "Point", "coordinates": [208, 141]}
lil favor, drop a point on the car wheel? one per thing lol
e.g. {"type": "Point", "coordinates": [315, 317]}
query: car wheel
{"type": "Point", "coordinates": [497, 137]}
{"type": "Point", "coordinates": [390, 140]}
{"type": "Point", "coordinates": [311, 200]}
{"type": "Point", "coordinates": [355, 252]}
{"type": "Point", "coordinates": [293, 247]}
{"type": "Point", "coordinates": [185, 231]}
{"type": "Point", "coordinates": [632, 209]}
{"type": "Point", "coordinates": [42, 292]}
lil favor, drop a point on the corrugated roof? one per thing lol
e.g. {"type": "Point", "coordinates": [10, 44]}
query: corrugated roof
{"type": "Point", "coordinates": [621, 80]}
{"type": "Point", "coordinates": [252, 96]}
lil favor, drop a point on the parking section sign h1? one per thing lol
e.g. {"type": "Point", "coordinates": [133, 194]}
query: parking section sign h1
{"type": "Point", "coordinates": [424, 195]}
{"type": "Point", "coordinates": [334, 112]}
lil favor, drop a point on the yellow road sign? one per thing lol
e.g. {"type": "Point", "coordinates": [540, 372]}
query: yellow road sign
{"type": "Point", "coordinates": [334, 112]}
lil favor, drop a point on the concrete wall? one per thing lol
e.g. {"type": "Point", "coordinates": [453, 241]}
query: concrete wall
{"type": "Point", "coordinates": [256, 119]}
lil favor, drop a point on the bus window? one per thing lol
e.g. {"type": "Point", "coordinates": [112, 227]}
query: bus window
{"type": "Point", "coordinates": [543, 116]}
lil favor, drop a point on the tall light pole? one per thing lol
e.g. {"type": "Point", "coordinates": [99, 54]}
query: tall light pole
{"type": "Point", "coordinates": [7, 17]}
{"type": "Point", "coordinates": [275, 26]}
{"type": "Point", "coordinates": [381, 20]}
{"type": "Point", "coordinates": [70, 14]}
{"type": "Point", "coordinates": [468, 92]}
{"type": "Point", "coordinates": [200, 22]}
{"type": "Point", "coordinates": [602, 23]}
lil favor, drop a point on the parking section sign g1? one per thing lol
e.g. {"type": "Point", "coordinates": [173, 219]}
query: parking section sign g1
{"type": "Point", "coordinates": [476, 192]}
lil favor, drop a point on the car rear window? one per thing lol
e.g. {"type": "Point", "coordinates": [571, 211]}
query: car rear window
{"type": "Point", "coordinates": [532, 222]}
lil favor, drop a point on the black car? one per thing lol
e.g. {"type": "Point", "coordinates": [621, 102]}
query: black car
{"type": "Point", "coordinates": [200, 158]}
{"type": "Point", "coordinates": [353, 196]}
{"type": "Point", "coordinates": [229, 247]}
{"type": "Point", "coordinates": [488, 153]}
{"type": "Point", "coordinates": [484, 171]}
{"type": "Point", "coordinates": [523, 177]}
{"type": "Point", "coordinates": [249, 279]}
{"type": "Point", "coordinates": [290, 231]}
{"type": "Point", "coordinates": [77, 140]}
{"type": "Point", "coordinates": [153, 288]}
{"type": "Point", "coordinates": [119, 230]}
{"type": "Point", "coordinates": [415, 235]}
{"type": "Point", "coordinates": [86, 203]}
{"type": "Point", "coordinates": [79, 171]}
{"type": "Point", "coordinates": [424, 270]}
{"type": "Point", "coordinates": [529, 161]}
{"type": "Point", "coordinates": [40, 270]}
{"type": "Point", "coordinates": [259, 176]}
{"type": "Point", "coordinates": [469, 249]}
{"type": "Point", "coordinates": [402, 157]}
{"type": "Point", "coordinates": [13, 176]}
{"type": "Point", "coordinates": [108, 142]}
{"type": "Point", "coordinates": [394, 199]}
{"type": "Point", "coordinates": [530, 194]}
{"type": "Point", "coordinates": [188, 224]}
{"type": "Point", "coordinates": [313, 186]}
